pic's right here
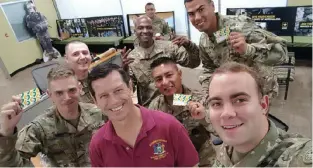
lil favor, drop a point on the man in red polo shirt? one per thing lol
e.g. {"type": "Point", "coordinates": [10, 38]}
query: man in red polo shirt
{"type": "Point", "coordinates": [134, 136]}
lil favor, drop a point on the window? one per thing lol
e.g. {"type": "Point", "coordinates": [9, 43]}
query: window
{"type": "Point", "coordinates": [15, 13]}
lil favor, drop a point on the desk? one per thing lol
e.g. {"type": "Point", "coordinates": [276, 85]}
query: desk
{"type": "Point", "coordinates": [301, 46]}
{"type": "Point", "coordinates": [95, 44]}
{"type": "Point", "coordinates": [129, 40]}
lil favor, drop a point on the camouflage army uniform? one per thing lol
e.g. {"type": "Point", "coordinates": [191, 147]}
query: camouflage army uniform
{"type": "Point", "coordinates": [199, 130]}
{"type": "Point", "coordinates": [277, 149]}
{"type": "Point", "coordinates": [50, 134]}
{"type": "Point", "coordinates": [85, 95]}
{"type": "Point", "coordinates": [160, 26]}
{"type": "Point", "coordinates": [264, 50]}
{"type": "Point", "coordinates": [140, 69]}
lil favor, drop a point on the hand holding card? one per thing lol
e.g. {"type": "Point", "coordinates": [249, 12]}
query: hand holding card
{"type": "Point", "coordinates": [197, 110]}
{"type": "Point", "coordinates": [181, 99]}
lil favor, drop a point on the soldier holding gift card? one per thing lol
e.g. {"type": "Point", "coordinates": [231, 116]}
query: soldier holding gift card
{"type": "Point", "coordinates": [175, 99]}
{"type": "Point", "coordinates": [244, 42]}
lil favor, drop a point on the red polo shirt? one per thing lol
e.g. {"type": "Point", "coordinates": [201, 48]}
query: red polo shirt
{"type": "Point", "coordinates": [162, 141]}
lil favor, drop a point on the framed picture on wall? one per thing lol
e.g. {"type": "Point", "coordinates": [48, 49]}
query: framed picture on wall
{"type": "Point", "coordinates": [106, 26]}
{"type": "Point", "coordinates": [72, 28]}
{"type": "Point", "coordinates": [168, 17]}
{"type": "Point", "coordinates": [303, 24]}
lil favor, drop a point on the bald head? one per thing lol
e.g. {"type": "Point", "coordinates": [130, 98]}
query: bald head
{"type": "Point", "coordinates": [142, 19]}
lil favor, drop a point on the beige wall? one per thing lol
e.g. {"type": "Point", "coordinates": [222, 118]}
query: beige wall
{"type": "Point", "coordinates": [299, 2]}
{"type": "Point", "coordinates": [16, 55]}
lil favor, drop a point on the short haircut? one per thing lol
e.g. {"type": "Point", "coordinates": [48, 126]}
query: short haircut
{"type": "Point", "coordinates": [61, 71]}
{"type": "Point", "coordinates": [140, 18]}
{"type": "Point", "coordinates": [103, 70]}
{"type": "Point", "coordinates": [149, 4]}
{"type": "Point", "coordinates": [160, 61]}
{"type": "Point", "coordinates": [235, 67]}
{"type": "Point", "coordinates": [185, 1]}
{"type": "Point", "coordinates": [72, 42]}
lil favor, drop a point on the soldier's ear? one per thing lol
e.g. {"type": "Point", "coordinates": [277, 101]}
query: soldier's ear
{"type": "Point", "coordinates": [265, 104]}
{"type": "Point", "coordinates": [130, 86]}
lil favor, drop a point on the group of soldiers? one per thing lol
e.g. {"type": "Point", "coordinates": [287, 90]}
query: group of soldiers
{"type": "Point", "coordinates": [237, 85]}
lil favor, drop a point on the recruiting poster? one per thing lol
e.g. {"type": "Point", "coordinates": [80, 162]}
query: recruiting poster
{"type": "Point", "coordinates": [279, 20]}
{"type": "Point", "coordinates": [303, 24]}
{"type": "Point", "coordinates": [167, 16]}
{"type": "Point", "coordinates": [105, 26]}
{"type": "Point", "coordinates": [72, 28]}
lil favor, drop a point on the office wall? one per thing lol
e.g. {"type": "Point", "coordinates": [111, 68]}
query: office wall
{"type": "Point", "coordinates": [248, 4]}
{"type": "Point", "coordinates": [69, 9]}
{"type": "Point", "coordinates": [14, 54]}
{"type": "Point", "coordinates": [299, 2]}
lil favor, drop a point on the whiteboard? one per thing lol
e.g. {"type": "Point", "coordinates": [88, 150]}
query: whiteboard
{"type": "Point", "coordinates": [138, 6]}
{"type": "Point", "coordinates": [248, 4]}
{"type": "Point", "coordinates": [69, 9]}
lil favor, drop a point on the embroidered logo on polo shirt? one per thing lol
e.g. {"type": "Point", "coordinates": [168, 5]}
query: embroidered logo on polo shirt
{"type": "Point", "coordinates": [158, 149]}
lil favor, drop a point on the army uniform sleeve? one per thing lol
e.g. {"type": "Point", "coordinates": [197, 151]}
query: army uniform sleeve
{"type": "Point", "coordinates": [16, 150]}
{"type": "Point", "coordinates": [265, 47]}
{"type": "Point", "coordinates": [186, 56]}
{"type": "Point", "coordinates": [154, 105]}
{"type": "Point", "coordinates": [304, 157]}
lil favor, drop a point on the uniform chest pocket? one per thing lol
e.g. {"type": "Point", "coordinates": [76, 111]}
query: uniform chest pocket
{"type": "Point", "coordinates": [59, 144]}
{"type": "Point", "coordinates": [143, 73]}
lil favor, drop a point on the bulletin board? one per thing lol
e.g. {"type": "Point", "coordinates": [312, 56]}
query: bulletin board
{"type": "Point", "coordinates": [104, 26]}
{"type": "Point", "coordinates": [283, 21]}
{"type": "Point", "coordinates": [169, 18]}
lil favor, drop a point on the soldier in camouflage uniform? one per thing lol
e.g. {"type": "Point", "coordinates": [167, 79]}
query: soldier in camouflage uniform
{"type": "Point", "coordinates": [238, 111]}
{"type": "Point", "coordinates": [148, 50]}
{"type": "Point", "coordinates": [78, 58]}
{"type": "Point", "coordinates": [168, 79]}
{"type": "Point", "coordinates": [62, 134]}
{"type": "Point", "coordinates": [38, 24]}
{"type": "Point", "coordinates": [246, 43]}
{"type": "Point", "coordinates": [158, 24]}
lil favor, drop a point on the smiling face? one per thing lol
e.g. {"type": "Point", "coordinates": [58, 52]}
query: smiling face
{"type": "Point", "coordinates": [150, 11]}
{"type": "Point", "coordinates": [64, 92]}
{"type": "Point", "coordinates": [143, 29]}
{"type": "Point", "coordinates": [201, 15]}
{"type": "Point", "coordinates": [113, 96]}
{"type": "Point", "coordinates": [78, 58]}
{"type": "Point", "coordinates": [237, 112]}
{"type": "Point", "coordinates": [168, 79]}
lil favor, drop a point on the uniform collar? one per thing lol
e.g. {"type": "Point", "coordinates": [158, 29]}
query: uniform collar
{"type": "Point", "coordinates": [148, 123]}
{"type": "Point", "coordinates": [62, 126]}
{"type": "Point", "coordinates": [269, 142]}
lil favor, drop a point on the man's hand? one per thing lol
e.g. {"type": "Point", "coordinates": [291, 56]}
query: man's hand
{"type": "Point", "coordinates": [126, 60]}
{"type": "Point", "coordinates": [197, 110]}
{"type": "Point", "coordinates": [181, 41]}
{"type": "Point", "coordinates": [238, 42]}
{"type": "Point", "coordinates": [10, 115]}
